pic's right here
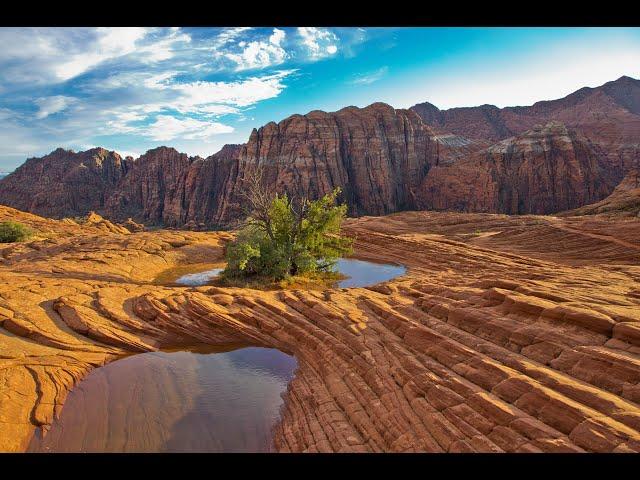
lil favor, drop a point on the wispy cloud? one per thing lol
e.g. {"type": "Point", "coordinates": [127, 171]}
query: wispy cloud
{"type": "Point", "coordinates": [167, 128]}
{"type": "Point", "coordinates": [133, 86]}
{"type": "Point", "coordinates": [50, 105]}
{"type": "Point", "coordinates": [369, 77]}
{"type": "Point", "coordinates": [62, 54]}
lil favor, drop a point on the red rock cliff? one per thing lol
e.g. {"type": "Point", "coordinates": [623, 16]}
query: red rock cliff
{"type": "Point", "coordinates": [478, 159]}
{"type": "Point", "coordinates": [64, 183]}
{"type": "Point", "coordinates": [545, 170]}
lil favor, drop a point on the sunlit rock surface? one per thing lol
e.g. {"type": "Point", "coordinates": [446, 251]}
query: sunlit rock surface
{"type": "Point", "coordinates": [515, 334]}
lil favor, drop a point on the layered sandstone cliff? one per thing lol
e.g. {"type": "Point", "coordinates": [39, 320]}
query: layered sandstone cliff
{"type": "Point", "coordinates": [608, 115]}
{"type": "Point", "coordinates": [545, 170]}
{"type": "Point", "coordinates": [546, 158]}
{"type": "Point", "coordinates": [64, 183]}
{"type": "Point", "coordinates": [624, 201]}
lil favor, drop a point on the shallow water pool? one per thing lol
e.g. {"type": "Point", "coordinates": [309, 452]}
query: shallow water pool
{"type": "Point", "coordinates": [175, 402]}
{"type": "Point", "coordinates": [359, 272]}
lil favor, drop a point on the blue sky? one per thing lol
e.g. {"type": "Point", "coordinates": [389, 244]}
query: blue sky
{"type": "Point", "coordinates": [132, 89]}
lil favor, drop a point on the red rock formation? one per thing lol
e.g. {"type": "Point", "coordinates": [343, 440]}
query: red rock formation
{"type": "Point", "coordinates": [515, 334]}
{"type": "Point", "coordinates": [608, 115]}
{"type": "Point", "coordinates": [64, 183]}
{"type": "Point", "coordinates": [543, 171]}
{"type": "Point", "coordinates": [377, 155]}
{"type": "Point", "coordinates": [624, 201]}
{"type": "Point", "coordinates": [385, 160]}
{"type": "Point", "coordinates": [154, 180]}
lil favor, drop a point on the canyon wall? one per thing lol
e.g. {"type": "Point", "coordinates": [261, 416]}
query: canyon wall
{"type": "Point", "coordinates": [549, 157]}
{"type": "Point", "coordinates": [64, 183]}
{"type": "Point", "coordinates": [542, 171]}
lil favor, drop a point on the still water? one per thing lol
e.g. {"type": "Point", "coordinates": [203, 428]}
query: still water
{"type": "Point", "coordinates": [175, 402]}
{"type": "Point", "coordinates": [362, 274]}
{"type": "Point", "coordinates": [199, 278]}
{"type": "Point", "coordinates": [358, 272]}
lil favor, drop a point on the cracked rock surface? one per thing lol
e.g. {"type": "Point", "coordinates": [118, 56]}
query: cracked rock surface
{"type": "Point", "coordinates": [506, 334]}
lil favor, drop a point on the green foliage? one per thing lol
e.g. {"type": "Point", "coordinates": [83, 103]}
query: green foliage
{"type": "Point", "coordinates": [289, 239]}
{"type": "Point", "coordinates": [14, 232]}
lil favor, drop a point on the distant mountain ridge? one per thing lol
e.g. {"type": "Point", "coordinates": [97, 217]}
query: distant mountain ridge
{"type": "Point", "coordinates": [548, 157]}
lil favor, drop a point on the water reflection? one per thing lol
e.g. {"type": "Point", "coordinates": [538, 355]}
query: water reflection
{"type": "Point", "coordinates": [363, 274]}
{"type": "Point", "coordinates": [199, 278]}
{"type": "Point", "coordinates": [359, 273]}
{"type": "Point", "coordinates": [175, 402]}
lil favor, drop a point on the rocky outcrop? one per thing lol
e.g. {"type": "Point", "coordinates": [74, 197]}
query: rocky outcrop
{"type": "Point", "coordinates": [507, 334]}
{"type": "Point", "coordinates": [150, 189]}
{"type": "Point", "coordinates": [545, 170]}
{"type": "Point", "coordinates": [624, 201]}
{"type": "Point", "coordinates": [608, 115]}
{"type": "Point", "coordinates": [377, 155]}
{"type": "Point", "coordinates": [478, 159]}
{"type": "Point", "coordinates": [64, 183]}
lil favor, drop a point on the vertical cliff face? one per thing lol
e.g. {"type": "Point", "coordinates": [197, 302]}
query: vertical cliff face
{"type": "Point", "coordinates": [624, 201]}
{"type": "Point", "coordinates": [545, 170]}
{"type": "Point", "coordinates": [153, 189]}
{"type": "Point", "coordinates": [377, 155]}
{"type": "Point", "coordinates": [201, 200]}
{"type": "Point", "coordinates": [609, 115]}
{"type": "Point", "coordinates": [64, 183]}
{"type": "Point", "coordinates": [169, 188]}
{"type": "Point", "coordinates": [476, 159]}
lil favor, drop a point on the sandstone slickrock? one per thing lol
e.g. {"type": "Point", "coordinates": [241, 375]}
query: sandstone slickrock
{"type": "Point", "coordinates": [551, 156]}
{"type": "Point", "coordinates": [516, 334]}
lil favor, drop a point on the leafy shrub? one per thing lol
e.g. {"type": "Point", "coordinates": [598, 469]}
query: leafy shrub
{"type": "Point", "coordinates": [285, 238]}
{"type": "Point", "coordinates": [14, 232]}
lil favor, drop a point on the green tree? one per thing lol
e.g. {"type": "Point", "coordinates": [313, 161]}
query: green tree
{"type": "Point", "coordinates": [14, 232]}
{"type": "Point", "coordinates": [286, 236]}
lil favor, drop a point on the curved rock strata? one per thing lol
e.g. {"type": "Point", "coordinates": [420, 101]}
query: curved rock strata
{"type": "Point", "coordinates": [514, 334]}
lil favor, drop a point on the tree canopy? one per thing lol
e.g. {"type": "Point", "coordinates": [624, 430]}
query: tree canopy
{"type": "Point", "coordinates": [285, 237]}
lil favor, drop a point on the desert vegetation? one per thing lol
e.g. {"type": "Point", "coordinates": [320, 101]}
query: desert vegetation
{"type": "Point", "coordinates": [286, 238]}
{"type": "Point", "coordinates": [14, 232]}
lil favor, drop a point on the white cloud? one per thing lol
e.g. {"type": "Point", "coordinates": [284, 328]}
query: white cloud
{"type": "Point", "coordinates": [150, 93]}
{"type": "Point", "coordinates": [110, 43]}
{"type": "Point", "coordinates": [5, 114]}
{"type": "Point", "coordinates": [277, 36]}
{"type": "Point", "coordinates": [164, 49]}
{"type": "Point", "coordinates": [124, 153]}
{"type": "Point", "coordinates": [240, 93]}
{"type": "Point", "coordinates": [167, 128]}
{"type": "Point", "coordinates": [370, 77]}
{"type": "Point", "coordinates": [319, 42]}
{"type": "Point", "coordinates": [50, 105]}
{"type": "Point", "coordinates": [228, 35]}
{"type": "Point", "coordinates": [38, 56]}
{"type": "Point", "coordinates": [259, 54]}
